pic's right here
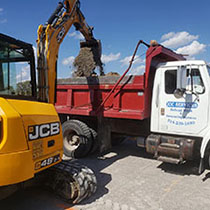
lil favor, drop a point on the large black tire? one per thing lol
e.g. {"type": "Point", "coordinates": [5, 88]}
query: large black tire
{"type": "Point", "coordinates": [95, 143]}
{"type": "Point", "coordinates": [72, 181]}
{"type": "Point", "coordinates": [207, 160]}
{"type": "Point", "coordinates": [77, 139]}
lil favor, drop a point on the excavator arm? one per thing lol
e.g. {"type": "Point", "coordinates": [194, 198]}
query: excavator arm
{"type": "Point", "coordinates": [50, 36]}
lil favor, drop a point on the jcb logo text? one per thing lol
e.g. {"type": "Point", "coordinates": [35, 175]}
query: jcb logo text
{"type": "Point", "coordinates": [44, 130]}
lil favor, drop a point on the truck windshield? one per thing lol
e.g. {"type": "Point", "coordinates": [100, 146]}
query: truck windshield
{"type": "Point", "coordinates": [15, 68]}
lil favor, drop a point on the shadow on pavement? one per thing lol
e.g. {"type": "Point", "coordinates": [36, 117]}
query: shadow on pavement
{"type": "Point", "coordinates": [188, 168]}
{"type": "Point", "coordinates": [207, 176]}
{"type": "Point", "coordinates": [99, 162]}
{"type": "Point", "coordinates": [35, 198]}
{"type": "Point", "coordinates": [128, 148]}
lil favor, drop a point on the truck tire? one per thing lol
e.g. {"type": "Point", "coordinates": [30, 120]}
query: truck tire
{"type": "Point", "coordinates": [95, 143]}
{"type": "Point", "coordinates": [77, 139]}
{"type": "Point", "coordinates": [207, 160]}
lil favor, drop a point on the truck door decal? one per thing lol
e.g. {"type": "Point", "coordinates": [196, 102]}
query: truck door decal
{"type": "Point", "coordinates": [185, 114]}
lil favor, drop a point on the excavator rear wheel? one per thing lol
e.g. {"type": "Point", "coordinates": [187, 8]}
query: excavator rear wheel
{"type": "Point", "coordinates": [72, 181]}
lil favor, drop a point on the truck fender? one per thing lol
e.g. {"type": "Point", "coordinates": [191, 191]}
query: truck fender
{"type": "Point", "coordinates": [205, 141]}
{"type": "Point", "coordinates": [203, 149]}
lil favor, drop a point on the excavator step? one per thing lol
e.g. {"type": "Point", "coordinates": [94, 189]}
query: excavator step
{"type": "Point", "coordinates": [169, 159]}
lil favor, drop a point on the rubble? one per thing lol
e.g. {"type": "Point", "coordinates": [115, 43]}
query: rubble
{"type": "Point", "coordinates": [87, 61]}
{"type": "Point", "coordinates": [84, 63]}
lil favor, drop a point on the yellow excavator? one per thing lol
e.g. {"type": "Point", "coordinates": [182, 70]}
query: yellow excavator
{"type": "Point", "coordinates": [31, 142]}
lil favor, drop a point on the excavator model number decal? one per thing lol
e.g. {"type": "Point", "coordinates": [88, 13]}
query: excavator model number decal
{"type": "Point", "coordinates": [43, 131]}
{"type": "Point", "coordinates": [47, 162]}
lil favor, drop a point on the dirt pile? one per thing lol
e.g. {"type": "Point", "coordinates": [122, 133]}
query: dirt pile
{"type": "Point", "coordinates": [86, 62]}
{"type": "Point", "coordinates": [112, 74]}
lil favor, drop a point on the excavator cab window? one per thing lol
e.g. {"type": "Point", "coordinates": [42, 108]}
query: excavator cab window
{"type": "Point", "coordinates": [17, 68]}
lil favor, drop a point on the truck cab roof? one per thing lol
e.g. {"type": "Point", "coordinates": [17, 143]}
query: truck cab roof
{"type": "Point", "coordinates": [181, 63]}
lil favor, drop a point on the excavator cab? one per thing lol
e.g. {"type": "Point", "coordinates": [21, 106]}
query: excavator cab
{"type": "Point", "coordinates": [17, 69]}
{"type": "Point", "coordinates": [31, 138]}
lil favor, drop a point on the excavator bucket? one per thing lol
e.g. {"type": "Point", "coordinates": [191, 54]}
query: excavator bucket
{"type": "Point", "coordinates": [89, 59]}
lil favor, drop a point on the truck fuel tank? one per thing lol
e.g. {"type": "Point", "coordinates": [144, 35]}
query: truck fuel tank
{"type": "Point", "coordinates": [170, 149]}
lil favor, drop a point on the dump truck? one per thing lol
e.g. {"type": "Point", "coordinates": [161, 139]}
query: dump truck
{"type": "Point", "coordinates": [166, 110]}
{"type": "Point", "coordinates": [31, 141]}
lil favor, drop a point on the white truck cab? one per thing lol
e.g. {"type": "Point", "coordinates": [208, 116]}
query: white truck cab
{"type": "Point", "coordinates": [180, 111]}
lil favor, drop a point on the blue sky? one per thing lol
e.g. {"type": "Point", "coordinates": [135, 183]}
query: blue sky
{"type": "Point", "coordinates": [182, 25]}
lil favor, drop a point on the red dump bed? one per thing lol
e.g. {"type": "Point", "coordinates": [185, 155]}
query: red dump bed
{"type": "Point", "coordinates": [130, 100]}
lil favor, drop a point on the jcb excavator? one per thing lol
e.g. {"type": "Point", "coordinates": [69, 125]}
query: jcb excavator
{"type": "Point", "coordinates": [30, 131]}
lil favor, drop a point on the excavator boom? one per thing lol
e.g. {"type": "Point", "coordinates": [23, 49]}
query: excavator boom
{"type": "Point", "coordinates": [51, 35]}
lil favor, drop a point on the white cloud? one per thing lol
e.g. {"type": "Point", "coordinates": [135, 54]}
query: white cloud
{"type": "Point", "coordinates": [175, 40]}
{"type": "Point", "coordinates": [109, 58]}
{"type": "Point", "coordinates": [76, 35]}
{"type": "Point", "coordinates": [2, 20]}
{"type": "Point", "coordinates": [167, 36]}
{"type": "Point", "coordinates": [192, 49]}
{"type": "Point", "coordinates": [68, 61]}
{"type": "Point", "coordinates": [24, 75]}
{"type": "Point", "coordinates": [138, 70]}
{"type": "Point", "coordinates": [125, 61]}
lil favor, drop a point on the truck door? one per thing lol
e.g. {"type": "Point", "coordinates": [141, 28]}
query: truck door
{"type": "Point", "coordinates": [187, 114]}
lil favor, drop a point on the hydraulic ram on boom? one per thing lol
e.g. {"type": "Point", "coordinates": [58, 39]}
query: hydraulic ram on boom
{"type": "Point", "coordinates": [51, 35]}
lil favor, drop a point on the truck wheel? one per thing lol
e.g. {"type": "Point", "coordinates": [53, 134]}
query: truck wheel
{"type": "Point", "coordinates": [95, 140]}
{"type": "Point", "coordinates": [207, 160]}
{"type": "Point", "coordinates": [207, 157]}
{"type": "Point", "coordinates": [77, 139]}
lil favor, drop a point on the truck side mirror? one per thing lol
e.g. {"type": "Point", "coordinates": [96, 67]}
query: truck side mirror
{"type": "Point", "coordinates": [189, 86]}
{"type": "Point", "coordinates": [179, 93]}
{"type": "Point", "coordinates": [181, 77]}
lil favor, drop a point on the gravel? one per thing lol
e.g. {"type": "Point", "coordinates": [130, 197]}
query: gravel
{"type": "Point", "coordinates": [128, 179]}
